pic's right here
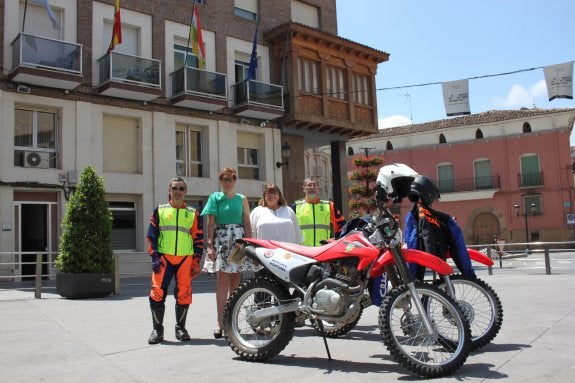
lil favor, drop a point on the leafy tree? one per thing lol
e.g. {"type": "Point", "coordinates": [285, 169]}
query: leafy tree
{"type": "Point", "coordinates": [361, 199]}
{"type": "Point", "coordinates": [85, 244]}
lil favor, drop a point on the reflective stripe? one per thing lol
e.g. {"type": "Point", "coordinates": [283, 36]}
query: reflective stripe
{"type": "Point", "coordinates": [318, 226]}
{"type": "Point", "coordinates": [174, 228]}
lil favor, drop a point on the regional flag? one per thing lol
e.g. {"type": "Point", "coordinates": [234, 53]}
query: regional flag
{"type": "Point", "coordinates": [196, 39]}
{"type": "Point", "coordinates": [117, 29]}
{"type": "Point", "coordinates": [254, 57]}
{"type": "Point", "coordinates": [51, 15]}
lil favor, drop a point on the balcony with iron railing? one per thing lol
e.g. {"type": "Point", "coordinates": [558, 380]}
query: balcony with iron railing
{"type": "Point", "coordinates": [530, 180]}
{"type": "Point", "coordinates": [127, 76]}
{"type": "Point", "coordinates": [46, 62]}
{"type": "Point", "coordinates": [198, 89]}
{"type": "Point", "coordinates": [258, 99]}
{"type": "Point", "coordinates": [468, 184]}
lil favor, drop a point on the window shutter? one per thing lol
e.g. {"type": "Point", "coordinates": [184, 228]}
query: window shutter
{"type": "Point", "coordinates": [38, 22]}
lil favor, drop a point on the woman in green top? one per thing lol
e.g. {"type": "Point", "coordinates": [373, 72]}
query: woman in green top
{"type": "Point", "coordinates": [228, 219]}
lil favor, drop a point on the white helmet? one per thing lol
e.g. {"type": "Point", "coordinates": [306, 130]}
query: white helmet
{"type": "Point", "coordinates": [393, 182]}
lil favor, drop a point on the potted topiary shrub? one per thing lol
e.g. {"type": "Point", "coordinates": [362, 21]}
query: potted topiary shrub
{"type": "Point", "coordinates": [86, 260]}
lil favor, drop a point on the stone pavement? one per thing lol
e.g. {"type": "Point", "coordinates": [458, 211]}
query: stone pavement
{"type": "Point", "coordinates": [105, 340]}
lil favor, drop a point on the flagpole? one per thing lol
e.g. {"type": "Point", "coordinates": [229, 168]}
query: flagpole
{"type": "Point", "coordinates": [190, 34]}
{"type": "Point", "coordinates": [24, 17]}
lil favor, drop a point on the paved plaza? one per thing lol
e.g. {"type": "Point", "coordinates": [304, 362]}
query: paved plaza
{"type": "Point", "coordinates": [105, 340]}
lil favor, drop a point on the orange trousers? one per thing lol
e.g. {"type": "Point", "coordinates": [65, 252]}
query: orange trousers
{"type": "Point", "coordinates": [174, 266]}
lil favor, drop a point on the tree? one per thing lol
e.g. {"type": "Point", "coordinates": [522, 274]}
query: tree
{"type": "Point", "coordinates": [85, 244]}
{"type": "Point", "coordinates": [362, 192]}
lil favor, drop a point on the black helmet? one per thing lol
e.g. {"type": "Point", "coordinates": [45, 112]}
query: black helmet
{"type": "Point", "coordinates": [422, 188]}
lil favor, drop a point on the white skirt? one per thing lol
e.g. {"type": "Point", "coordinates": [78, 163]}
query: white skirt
{"type": "Point", "coordinates": [224, 241]}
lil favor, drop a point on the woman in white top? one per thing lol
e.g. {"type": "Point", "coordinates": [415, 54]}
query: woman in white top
{"type": "Point", "coordinates": [273, 219]}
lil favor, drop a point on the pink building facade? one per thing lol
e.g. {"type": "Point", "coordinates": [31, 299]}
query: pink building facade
{"type": "Point", "coordinates": [503, 174]}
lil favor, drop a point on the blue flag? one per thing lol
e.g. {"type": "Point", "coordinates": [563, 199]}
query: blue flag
{"type": "Point", "coordinates": [254, 56]}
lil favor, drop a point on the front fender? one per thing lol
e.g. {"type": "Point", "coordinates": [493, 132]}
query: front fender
{"type": "Point", "coordinates": [412, 256]}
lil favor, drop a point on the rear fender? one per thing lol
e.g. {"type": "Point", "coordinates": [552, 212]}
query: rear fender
{"type": "Point", "coordinates": [257, 242]}
{"type": "Point", "coordinates": [480, 257]}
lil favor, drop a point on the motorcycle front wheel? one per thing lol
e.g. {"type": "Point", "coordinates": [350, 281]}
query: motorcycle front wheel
{"type": "Point", "coordinates": [480, 305]}
{"type": "Point", "coordinates": [257, 339]}
{"type": "Point", "coordinates": [407, 339]}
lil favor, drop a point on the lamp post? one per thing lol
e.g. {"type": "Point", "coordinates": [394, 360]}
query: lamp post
{"type": "Point", "coordinates": [286, 154]}
{"type": "Point", "coordinates": [525, 214]}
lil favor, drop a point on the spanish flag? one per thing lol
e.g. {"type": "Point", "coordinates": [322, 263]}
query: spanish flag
{"type": "Point", "coordinates": [196, 39]}
{"type": "Point", "coordinates": [117, 29]}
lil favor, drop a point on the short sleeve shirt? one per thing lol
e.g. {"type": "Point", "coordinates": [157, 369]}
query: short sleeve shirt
{"type": "Point", "coordinates": [226, 210]}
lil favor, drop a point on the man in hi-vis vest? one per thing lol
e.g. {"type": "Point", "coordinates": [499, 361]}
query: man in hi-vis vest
{"type": "Point", "coordinates": [176, 244]}
{"type": "Point", "coordinates": [318, 220]}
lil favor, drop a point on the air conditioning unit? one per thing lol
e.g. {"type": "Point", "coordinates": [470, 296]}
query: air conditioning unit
{"type": "Point", "coordinates": [39, 160]}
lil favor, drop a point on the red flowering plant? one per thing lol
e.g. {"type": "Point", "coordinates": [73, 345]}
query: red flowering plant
{"type": "Point", "coordinates": [361, 193]}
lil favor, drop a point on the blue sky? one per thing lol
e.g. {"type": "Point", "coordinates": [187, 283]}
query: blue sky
{"type": "Point", "coordinates": [446, 40]}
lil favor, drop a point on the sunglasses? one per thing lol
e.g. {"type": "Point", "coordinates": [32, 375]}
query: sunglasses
{"type": "Point", "coordinates": [180, 188]}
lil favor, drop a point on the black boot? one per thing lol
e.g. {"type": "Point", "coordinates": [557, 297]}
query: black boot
{"type": "Point", "coordinates": [181, 332]}
{"type": "Point", "coordinates": [157, 334]}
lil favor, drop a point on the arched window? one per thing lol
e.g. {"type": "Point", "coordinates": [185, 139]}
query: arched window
{"type": "Point", "coordinates": [350, 151]}
{"type": "Point", "coordinates": [442, 139]}
{"type": "Point", "coordinates": [388, 146]}
{"type": "Point", "coordinates": [526, 127]}
{"type": "Point", "coordinates": [478, 134]}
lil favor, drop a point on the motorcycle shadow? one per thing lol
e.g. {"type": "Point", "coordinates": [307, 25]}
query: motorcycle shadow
{"type": "Point", "coordinates": [369, 333]}
{"type": "Point", "coordinates": [491, 347]}
{"type": "Point", "coordinates": [336, 365]}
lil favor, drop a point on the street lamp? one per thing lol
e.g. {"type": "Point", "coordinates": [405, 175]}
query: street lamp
{"type": "Point", "coordinates": [525, 214]}
{"type": "Point", "coordinates": [286, 154]}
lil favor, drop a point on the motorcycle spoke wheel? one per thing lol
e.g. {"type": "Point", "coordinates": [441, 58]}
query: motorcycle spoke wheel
{"type": "Point", "coordinates": [480, 306]}
{"type": "Point", "coordinates": [404, 333]}
{"type": "Point", "coordinates": [257, 339]}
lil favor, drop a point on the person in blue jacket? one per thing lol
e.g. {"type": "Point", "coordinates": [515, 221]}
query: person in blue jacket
{"type": "Point", "coordinates": [433, 231]}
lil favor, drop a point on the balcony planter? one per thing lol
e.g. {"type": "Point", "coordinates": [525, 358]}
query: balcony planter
{"type": "Point", "coordinates": [84, 285]}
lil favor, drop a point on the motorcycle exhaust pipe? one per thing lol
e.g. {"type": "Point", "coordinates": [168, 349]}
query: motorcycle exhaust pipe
{"type": "Point", "coordinates": [276, 310]}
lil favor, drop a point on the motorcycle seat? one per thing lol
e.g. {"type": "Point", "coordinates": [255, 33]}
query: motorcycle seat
{"type": "Point", "coordinates": [306, 251]}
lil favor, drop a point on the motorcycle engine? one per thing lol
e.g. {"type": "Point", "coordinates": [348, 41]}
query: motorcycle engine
{"type": "Point", "coordinates": [335, 292]}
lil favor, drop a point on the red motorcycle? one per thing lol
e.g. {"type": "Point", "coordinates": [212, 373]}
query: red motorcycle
{"type": "Point", "coordinates": [479, 302]}
{"type": "Point", "coordinates": [423, 328]}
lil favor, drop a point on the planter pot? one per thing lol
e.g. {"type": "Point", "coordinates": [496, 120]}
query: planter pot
{"type": "Point", "coordinates": [84, 285]}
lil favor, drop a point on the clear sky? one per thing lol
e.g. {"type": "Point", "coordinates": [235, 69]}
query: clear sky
{"type": "Point", "coordinates": [445, 40]}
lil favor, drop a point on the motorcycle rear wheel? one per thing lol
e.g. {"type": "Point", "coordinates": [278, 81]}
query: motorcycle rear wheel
{"type": "Point", "coordinates": [251, 339]}
{"type": "Point", "coordinates": [480, 305]}
{"type": "Point", "coordinates": [404, 334]}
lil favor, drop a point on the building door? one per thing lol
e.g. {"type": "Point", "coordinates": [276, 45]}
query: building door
{"type": "Point", "coordinates": [35, 230]}
{"type": "Point", "coordinates": [485, 229]}
{"type": "Point", "coordinates": [33, 237]}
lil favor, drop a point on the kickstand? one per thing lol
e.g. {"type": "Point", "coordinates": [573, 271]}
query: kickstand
{"type": "Point", "coordinates": [320, 325]}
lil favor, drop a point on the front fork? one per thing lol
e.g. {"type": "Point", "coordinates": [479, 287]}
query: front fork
{"type": "Point", "coordinates": [407, 278]}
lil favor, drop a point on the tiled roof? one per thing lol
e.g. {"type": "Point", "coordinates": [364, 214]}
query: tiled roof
{"type": "Point", "coordinates": [490, 116]}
